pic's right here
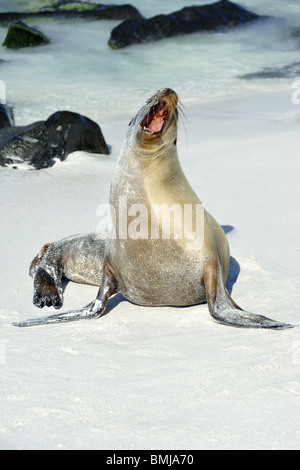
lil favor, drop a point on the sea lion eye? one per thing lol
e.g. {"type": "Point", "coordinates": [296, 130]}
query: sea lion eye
{"type": "Point", "coordinates": [175, 142]}
{"type": "Point", "coordinates": [130, 122]}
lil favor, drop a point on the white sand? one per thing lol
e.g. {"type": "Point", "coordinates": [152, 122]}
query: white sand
{"type": "Point", "coordinates": [162, 378]}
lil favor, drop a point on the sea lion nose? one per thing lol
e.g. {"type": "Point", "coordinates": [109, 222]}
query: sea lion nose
{"type": "Point", "coordinates": [171, 94]}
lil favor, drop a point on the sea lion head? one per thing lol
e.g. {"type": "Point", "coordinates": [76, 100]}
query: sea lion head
{"type": "Point", "coordinates": [155, 125]}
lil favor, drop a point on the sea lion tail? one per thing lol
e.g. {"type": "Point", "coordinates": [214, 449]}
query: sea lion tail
{"type": "Point", "coordinates": [224, 310]}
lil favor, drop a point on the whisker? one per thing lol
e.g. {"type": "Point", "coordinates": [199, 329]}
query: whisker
{"type": "Point", "coordinates": [182, 117]}
{"type": "Point", "coordinates": [183, 110]}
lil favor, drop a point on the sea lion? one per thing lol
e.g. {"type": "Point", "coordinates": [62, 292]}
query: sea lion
{"type": "Point", "coordinates": [186, 266]}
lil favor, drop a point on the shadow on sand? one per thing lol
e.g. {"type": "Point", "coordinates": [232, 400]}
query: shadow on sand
{"type": "Point", "coordinates": [234, 268]}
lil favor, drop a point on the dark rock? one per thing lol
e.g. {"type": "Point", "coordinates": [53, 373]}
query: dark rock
{"type": "Point", "coordinates": [65, 132]}
{"type": "Point", "coordinates": [21, 35]}
{"type": "Point", "coordinates": [6, 116]}
{"type": "Point", "coordinates": [217, 16]}
{"type": "Point", "coordinates": [63, 11]}
{"type": "Point", "coordinates": [286, 71]}
{"type": "Point", "coordinates": [40, 143]}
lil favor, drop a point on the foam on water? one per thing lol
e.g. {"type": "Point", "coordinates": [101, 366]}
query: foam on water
{"type": "Point", "coordinates": [78, 71]}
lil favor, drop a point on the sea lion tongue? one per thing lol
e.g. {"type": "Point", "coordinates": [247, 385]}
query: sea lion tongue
{"type": "Point", "coordinates": [155, 118]}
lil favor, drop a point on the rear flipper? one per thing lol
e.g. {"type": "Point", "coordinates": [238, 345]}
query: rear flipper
{"type": "Point", "coordinates": [225, 311]}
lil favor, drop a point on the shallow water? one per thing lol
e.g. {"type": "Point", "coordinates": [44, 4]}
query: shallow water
{"type": "Point", "coordinates": [79, 72]}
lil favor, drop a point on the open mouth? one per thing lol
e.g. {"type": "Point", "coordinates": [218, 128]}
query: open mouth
{"type": "Point", "coordinates": [155, 119]}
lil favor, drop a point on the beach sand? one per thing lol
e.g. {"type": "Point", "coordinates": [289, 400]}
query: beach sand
{"type": "Point", "coordinates": [162, 378]}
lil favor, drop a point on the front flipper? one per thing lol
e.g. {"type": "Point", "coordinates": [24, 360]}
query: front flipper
{"type": "Point", "coordinates": [47, 288]}
{"type": "Point", "coordinates": [73, 315]}
{"type": "Point", "coordinates": [225, 311]}
{"type": "Point", "coordinates": [94, 310]}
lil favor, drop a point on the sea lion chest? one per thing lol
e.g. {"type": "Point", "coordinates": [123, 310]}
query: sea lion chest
{"type": "Point", "coordinates": [152, 252]}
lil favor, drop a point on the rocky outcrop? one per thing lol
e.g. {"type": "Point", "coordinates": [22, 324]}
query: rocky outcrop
{"type": "Point", "coordinates": [217, 16]}
{"type": "Point", "coordinates": [40, 143]}
{"type": "Point", "coordinates": [74, 11]}
{"type": "Point", "coordinates": [21, 35]}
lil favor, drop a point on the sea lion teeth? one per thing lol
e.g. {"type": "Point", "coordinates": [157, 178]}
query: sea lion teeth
{"type": "Point", "coordinates": [155, 118]}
